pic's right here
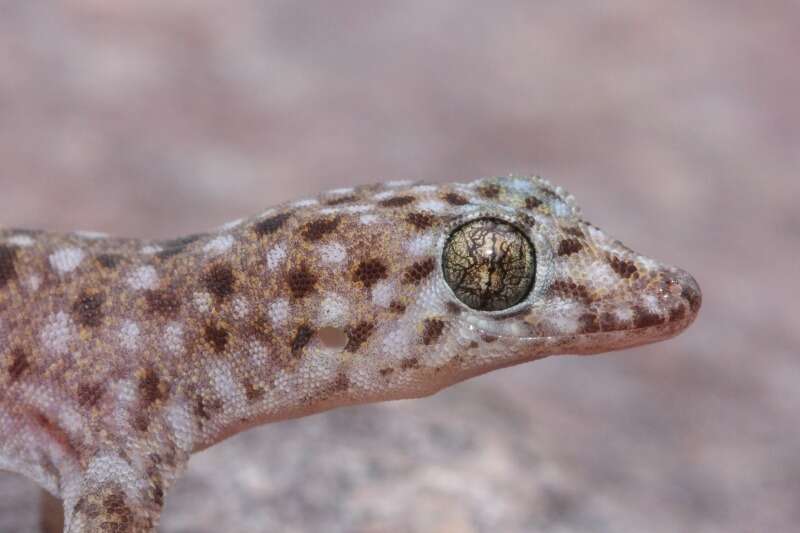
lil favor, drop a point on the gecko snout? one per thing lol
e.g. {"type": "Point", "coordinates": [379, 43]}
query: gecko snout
{"type": "Point", "coordinates": [684, 294]}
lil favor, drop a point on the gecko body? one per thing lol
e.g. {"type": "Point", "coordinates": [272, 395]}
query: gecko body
{"type": "Point", "coordinates": [119, 358]}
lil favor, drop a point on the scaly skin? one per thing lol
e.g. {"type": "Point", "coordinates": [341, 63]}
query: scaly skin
{"type": "Point", "coordinates": [119, 358]}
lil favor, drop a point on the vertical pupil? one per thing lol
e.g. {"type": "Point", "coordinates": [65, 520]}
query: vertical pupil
{"type": "Point", "coordinates": [489, 264]}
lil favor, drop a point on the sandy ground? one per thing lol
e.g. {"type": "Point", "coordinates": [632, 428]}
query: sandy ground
{"type": "Point", "coordinates": [676, 124]}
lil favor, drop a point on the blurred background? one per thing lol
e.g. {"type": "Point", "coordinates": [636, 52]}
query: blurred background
{"type": "Point", "coordinates": [676, 125]}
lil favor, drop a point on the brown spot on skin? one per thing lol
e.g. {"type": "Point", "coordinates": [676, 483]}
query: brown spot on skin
{"type": "Point", "coordinates": [642, 318]}
{"type": "Point", "coordinates": [163, 302]}
{"type": "Point", "coordinates": [88, 309]}
{"type": "Point", "coordinates": [158, 493]}
{"type": "Point", "coordinates": [419, 271]}
{"type": "Point", "coordinates": [301, 281]}
{"type": "Point", "coordinates": [386, 371]}
{"type": "Point", "coordinates": [575, 231]}
{"type": "Point", "coordinates": [571, 291]}
{"type": "Point", "coordinates": [453, 308]}
{"type": "Point", "coordinates": [609, 322]}
{"type": "Point", "coordinates": [408, 363]}
{"type": "Point", "coordinates": [569, 247]}
{"type": "Point", "coordinates": [420, 220]}
{"type": "Point", "coordinates": [341, 383]}
{"type": "Point", "coordinates": [253, 392]}
{"type": "Point", "coordinates": [317, 229]}
{"type": "Point", "coordinates": [151, 388]}
{"type": "Point", "coordinates": [114, 504]}
{"type": "Point", "coordinates": [140, 422]}
{"type": "Point", "coordinates": [8, 271]}
{"type": "Point", "coordinates": [370, 271]}
{"type": "Point", "coordinates": [219, 280]}
{"type": "Point", "coordinates": [358, 335]}
{"type": "Point", "coordinates": [488, 338]}
{"type": "Point", "coordinates": [588, 323]}
{"type": "Point", "coordinates": [694, 298]}
{"type": "Point", "coordinates": [342, 200]}
{"type": "Point", "coordinates": [301, 338]}
{"type": "Point", "coordinates": [455, 199]}
{"type": "Point", "coordinates": [268, 226]}
{"type": "Point", "coordinates": [677, 313]}
{"type": "Point", "coordinates": [216, 336]}
{"type": "Point", "coordinates": [176, 246]}
{"type": "Point", "coordinates": [397, 201]}
{"type": "Point", "coordinates": [204, 409]}
{"type": "Point", "coordinates": [531, 202]}
{"type": "Point", "coordinates": [623, 268]}
{"type": "Point", "coordinates": [109, 261]}
{"type": "Point", "coordinates": [397, 306]}
{"type": "Point", "coordinates": [431, 330]}
{"type": "Point", "coordinates": [89, 394]}
{"type": "Point", "coordinates": [19, 363]}
{"type": "Point", "coordinates": [473, 344]}
{"type": "Point", "coordinates": [489, 191]}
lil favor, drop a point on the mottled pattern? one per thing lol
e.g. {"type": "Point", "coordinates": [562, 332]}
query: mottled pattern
{"type": "Point", "coordinates": [115, 370]}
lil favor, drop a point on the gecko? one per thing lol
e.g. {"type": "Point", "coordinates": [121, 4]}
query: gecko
{"type": "Point", "coordinates": [119, 358]}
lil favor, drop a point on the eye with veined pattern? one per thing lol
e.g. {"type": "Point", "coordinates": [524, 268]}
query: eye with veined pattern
{"type": "Point", "coordinates": [489, 264]}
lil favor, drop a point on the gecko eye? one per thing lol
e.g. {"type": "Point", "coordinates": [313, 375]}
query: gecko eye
{"type": "Point", "coordinates": [489, 264]}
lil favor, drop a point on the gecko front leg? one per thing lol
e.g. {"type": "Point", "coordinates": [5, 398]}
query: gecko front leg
{"type": "Point", "coordinates": [119, 358]}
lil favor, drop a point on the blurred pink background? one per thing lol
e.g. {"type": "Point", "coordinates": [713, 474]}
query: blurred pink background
{"type": "Point", "coordinates": [677, 126]}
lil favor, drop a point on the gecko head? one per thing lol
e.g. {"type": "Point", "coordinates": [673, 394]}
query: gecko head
{"type": "Point", "coordinates": [427, 285]}
{"type": "Point", "coordinates": [520, 275]}
{"type": "Point", "coordinates": [530, 278]}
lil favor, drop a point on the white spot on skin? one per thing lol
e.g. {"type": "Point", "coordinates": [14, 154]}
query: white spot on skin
{"type": "Point", "coordinates": [382, 293]}
{"type": "Point", "coordinates": [173, 338]}
{"type": "Point", "coordinates": [151, 249]}
{"type": "Point", "coordinates": [57, 333]}
{"type": "Point", "coordinates": [258, 353]}
{"type": "Point", "coordinates": [275, 256]}
{"type": "Point", "coordinates": [360, 208]}
{"type": "Point", "coordinates": [329, 210]}
{"type": "Point", "coordinates": [129, 335]}
{"type": "Point", "coordinates": [600, 274]}
{"type": "Point", "coordinates": [623, 314]}
{"type": "Point", "coordinates": [22, 241]}
{"type": "Point", "coordinates": [279, 312]}
{"type": "Point", "coordinates": [226, 386]}
{"type": "Point", "coordinates": [233, 224]}
{"type": "Point", "coordinates": [424, 188]}
{"type": "Point", "coordinates": [144, 277]}
{"type": "Point", "coordinates": [383, 195]}
{"type": "Point", "coordinates": [564, 318]}
{"type": "Point", "coordinates": [420, 245]}
{"type": "Point", "coordinates": [202, 301]}
{"type": "Point", "coordinates": [105, 468]}
{"type": "Point", "coordinates": [343, 190]}
{"type": "Point", "coordinates": [218, 245]}
{"type": "Point", "coordinates": [398, 183]}
{"type": "Point", "coordinates": [240, 308]}
{"type": "Point", "coordinates": [333, 253]}
{"type": "Point", "coordinates": [91, 235]}
{"type": "Point", "coordinates": [369, 219]}
{"type": "Point", "coordinates": [306, 202]}
{"type": "Point", "coordinates": [432, 205]}
{"type": "Point", "coordinates": [520, 185]}
{"type": "Point", "coordinates": [33, 282]}
{"type": "Point", "coordinates": [66, 259]}
{"type": "Point", "coordinates": [182, 425]}
{"type": "Point", "coordinates": [333, 311]}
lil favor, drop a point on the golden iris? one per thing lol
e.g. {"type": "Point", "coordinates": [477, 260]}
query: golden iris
{"type": "Point", "coordinates": [489, 264]}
